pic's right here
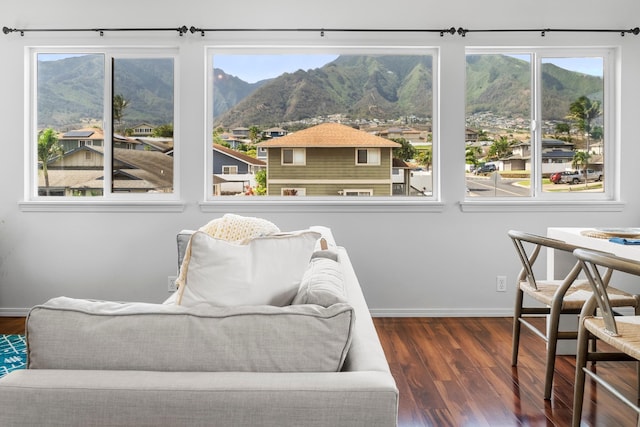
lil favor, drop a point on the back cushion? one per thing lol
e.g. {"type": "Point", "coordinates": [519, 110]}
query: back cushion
{"type": "Point", "coordinates": [323, 281]}
{"type": "Point", "coordinates": [67, 333]}
{"type": "Point", "coordinates": [265, 270]}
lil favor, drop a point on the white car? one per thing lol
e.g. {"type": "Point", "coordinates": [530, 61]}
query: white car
{"type": "Point", "coordinates": [575, 177]}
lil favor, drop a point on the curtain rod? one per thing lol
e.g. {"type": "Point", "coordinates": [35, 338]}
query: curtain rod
{"type": "Point", "coordinates": [182, 30]}
{"type": "Point", "coordinates": [460, 31]}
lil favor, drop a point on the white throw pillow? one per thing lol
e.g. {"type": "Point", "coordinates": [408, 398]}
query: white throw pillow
{"type": "Point", "coordinates": [265, 270]}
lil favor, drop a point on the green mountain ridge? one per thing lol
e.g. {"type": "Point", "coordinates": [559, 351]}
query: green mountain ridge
{"type": "Point", "coordinates": [360, 87]}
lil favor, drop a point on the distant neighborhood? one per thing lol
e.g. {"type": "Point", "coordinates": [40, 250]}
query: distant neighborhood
{"type": "Point", "coordinates": [328, 159]}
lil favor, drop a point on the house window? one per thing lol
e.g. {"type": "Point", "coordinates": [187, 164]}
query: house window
{"type": "Point", "coordinates": [293, 156]}
{"type": "Point", "coordinates": [93, 91]}
{"type": "Point", "coordinates": [368, 156]}
{"type": "Point", "coordinates": [229, 170]}
{"type": "Point", "coordinates": [294, 191]}
{"type": "Point", "coordinates": [538, 113]}
{"type": "Point", "coordinates": [332, 110]}
{"type": "Point", "coordinates": [356, 192]}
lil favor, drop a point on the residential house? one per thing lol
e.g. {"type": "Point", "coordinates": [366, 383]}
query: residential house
{"type": "Point", "coordinates": [142, 129]}
{"type": "Point", "coordinates": [73, 139]}
{"type": "Point", "coordinates": [79, 172]}
{"type": "Point", "coordinates": [327, 160]}
{"type": "Point", "coordinates": [233, 171]}
{"type": "Point", "coordinates": [557, 156]}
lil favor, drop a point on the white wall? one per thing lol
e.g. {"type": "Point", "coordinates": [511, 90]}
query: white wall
{"type": "Point", "coordinates": [449, 259]}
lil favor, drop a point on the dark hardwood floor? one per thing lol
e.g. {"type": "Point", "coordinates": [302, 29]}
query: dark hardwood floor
{"type": "Point", "coordinates": [457, 372]}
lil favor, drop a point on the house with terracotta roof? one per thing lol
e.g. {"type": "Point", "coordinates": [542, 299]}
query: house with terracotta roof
{"type": "Point", "coordinates": [327, 160]}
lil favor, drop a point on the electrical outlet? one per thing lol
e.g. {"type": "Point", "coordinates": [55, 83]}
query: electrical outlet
{"type": "Point", "coordinates": [501, 283]}
{"type": "Point", "coordinates": [171, 284]}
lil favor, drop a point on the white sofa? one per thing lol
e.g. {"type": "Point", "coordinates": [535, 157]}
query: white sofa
{"type": "Point", "coordinates": [110, 364]}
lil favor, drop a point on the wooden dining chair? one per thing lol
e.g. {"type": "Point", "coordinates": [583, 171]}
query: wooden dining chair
{"type": "Point", "coordinates": [551, 298]}
{"type": "Point", "coordinates": [620, 332]}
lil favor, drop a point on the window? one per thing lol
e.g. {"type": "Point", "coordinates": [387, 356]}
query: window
{"type": "Point", "coordinates": [332, 110]}
{"type": "Point", "coordinates": [353, 192]}
{"type": "Point", "coordinates": [293, 192]}
{"type": "Point", "coordinates": [293, 156]}
{"type": "Point", "coordinates": [228, 170]}
{"type": "Point", "coordinates": [534, 115]}
{"type": "Point", "coordinates": [368, 156]}
{"type": "Point", "coordinates": [84, 107]}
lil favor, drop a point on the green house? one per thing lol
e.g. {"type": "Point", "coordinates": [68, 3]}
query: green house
{"type": "Point", "coordinates": [329, 160]}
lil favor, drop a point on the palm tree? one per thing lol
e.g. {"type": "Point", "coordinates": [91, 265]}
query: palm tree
{"type": "Point", "coordinates": [583, 112]}
{"type": "Point", "coordinates": [119, 105]}
{"type": "Point", "coordinates": [581, 158]}
{"type": "Point", "coordinates": [48, 148]}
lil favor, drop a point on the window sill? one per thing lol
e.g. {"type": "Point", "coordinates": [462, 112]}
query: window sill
{"type": "Point", "coordinates": [364, 205]}
{"type": "Point", "coordinates": [542, 206]}
{"type": "Point", "coordinates": [101, 206]}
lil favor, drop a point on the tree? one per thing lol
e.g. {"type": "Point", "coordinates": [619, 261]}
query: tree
{"type": "Point", "coordinates": [500, 149]}
{"type": "Point", "coordinates": [472, 154]}
{"type": "Point", "coordinates": [48, 149]}
{"type": "Point", "coordinates": [119, 105]}
{"type": "Point", "coordinates": [581, 158]}
{"type": "Point", "coordinates": [255, 134]}
{"type": "Point", "coordinates": [425, 157]}
{"type": "Point", "coordinates": [406, 152]}
{"type": "Point", "coordinates": [564, 128]}
{"type": "Point", "coordinates": [261, 179]}
{"type": "Point", "coordinates": [583, 112]}
{"type": "Point", "coordinates": [165, 131]}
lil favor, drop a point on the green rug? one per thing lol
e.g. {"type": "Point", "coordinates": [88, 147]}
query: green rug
{"type": "Point", "coordinates": [13, 353]}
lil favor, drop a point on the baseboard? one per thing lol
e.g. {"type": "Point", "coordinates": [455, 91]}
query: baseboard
{"type": "Point", "coordinates": [441, 312]}
{"type": "Point", "coordinates": [14, 312]}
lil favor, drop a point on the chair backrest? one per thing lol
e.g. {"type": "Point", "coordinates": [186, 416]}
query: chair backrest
{"type": "Point", "coordinates": [520, 238]}
{"type": "Point", "coordinates": [592, 263]}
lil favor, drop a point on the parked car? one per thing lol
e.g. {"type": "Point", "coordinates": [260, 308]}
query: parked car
{"type": "Point", "coordinates": [575, 177]}
{"type": "Point", "coordinates": [488, 168]}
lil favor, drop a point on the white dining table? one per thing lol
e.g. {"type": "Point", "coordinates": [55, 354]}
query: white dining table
{"type": "Point", "coordinates": [560, 263]}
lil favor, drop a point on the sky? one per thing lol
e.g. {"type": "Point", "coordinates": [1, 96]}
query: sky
{"type": "Point", "coordinates": [253, 68]}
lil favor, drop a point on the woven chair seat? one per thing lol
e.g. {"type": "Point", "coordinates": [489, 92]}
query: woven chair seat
{"type": "Point", "coordinates": [576, 295]}
{"type": "Point", "coordinates": [628, 338]}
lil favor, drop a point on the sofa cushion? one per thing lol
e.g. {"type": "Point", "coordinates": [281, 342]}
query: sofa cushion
{"type": "Point", "coordinates": [67, 333]}
{"type": "Point", "coordinates": [265, 270]}
{"type": "Point", "coordinates": [323, 281]}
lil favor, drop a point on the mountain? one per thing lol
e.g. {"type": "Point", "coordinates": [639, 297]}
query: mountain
{"type": "Point", "coordinates": [360, 87]}
{"type": "Point", "coordinates": [501, 84]}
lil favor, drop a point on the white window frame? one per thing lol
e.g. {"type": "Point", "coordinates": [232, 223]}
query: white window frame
{"type": "Point", "coordinates": [370, 153]}
{"type": "Point", "coordinates": [109, 201]}
{"type": "Point", "coordinates": [299, 156]}
{"type": "Point", "coordinates": [411, 44]}
{"type": "Point", "coordinates": [544, 201]}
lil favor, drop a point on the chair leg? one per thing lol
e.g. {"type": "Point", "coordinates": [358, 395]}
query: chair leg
{"type": "Point", "coordinates": [517, 314]}
{"type": "Point", "coordinates": [581, 363]}
{"type": "Point", "coordinates": [552, 345]}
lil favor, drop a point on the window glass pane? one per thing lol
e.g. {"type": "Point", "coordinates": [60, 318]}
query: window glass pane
{"type": "Point", "coordinates": [70, 116]}
{"type": "Point", "coordinates": [498, 117]}
{"type": "Point", "coordinates": [327, 106]}
{"type": "Point", "coordinates": [573, 124]}
{"type": "Point", "coordinates": [142, 102]}
{"type": "Point", "coordinates": [362, 157]}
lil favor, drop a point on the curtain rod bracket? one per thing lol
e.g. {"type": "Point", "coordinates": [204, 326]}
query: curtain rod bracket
{"type": "Point", "coordinates": [462, 32]}
{"type": "Point", "coordinates": [195, 30]}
